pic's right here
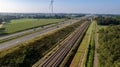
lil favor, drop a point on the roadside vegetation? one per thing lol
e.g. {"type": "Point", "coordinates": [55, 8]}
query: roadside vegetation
{"type": "Point", "coordinates": [24, 24]}
{"type": "Point", "coordinates": [23, 34]}
{"type": "Point", "coordinates": [1, 25]}
{"type": "Point", "coordinates": [1, 29]}
{"type": "Point", "coordinates": [90, 55]}
{"type": "Point", "coordinates": [81, 48]}
{"type": "Point", "coordinates": [109, 48]}
{"type": "Point", "coordinates": [20, 55]}
{"type": "Point", "coordinates": [105, 20]}
{"type": "Point", "coordinates": [109, 42]}
{"type": "Point", "coordinates": [68, 59]}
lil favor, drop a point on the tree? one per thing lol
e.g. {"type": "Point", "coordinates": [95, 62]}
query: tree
{"type": "Point", "coordinates": [1, 21]}
{"type": "Point", "coordinates": [109, 48]}
{"type": "Point", "coordinates": [107, 20]}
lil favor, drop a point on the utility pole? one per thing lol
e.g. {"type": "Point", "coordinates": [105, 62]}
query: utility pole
{"type": "Point", "coordinates": [51, 7]}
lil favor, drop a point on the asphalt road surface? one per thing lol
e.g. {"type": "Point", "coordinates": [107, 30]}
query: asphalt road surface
{"type": "Point", "coordinates": [22, 32]}
{"type": "Point", "coordinates": [30, 36]}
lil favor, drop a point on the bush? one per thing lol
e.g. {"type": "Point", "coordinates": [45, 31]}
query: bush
{"type": "Point", "coordinates": [109, 48]}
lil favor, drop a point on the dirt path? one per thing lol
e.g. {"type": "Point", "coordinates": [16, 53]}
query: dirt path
{"type": "Point", "coordinates": [95, 54]}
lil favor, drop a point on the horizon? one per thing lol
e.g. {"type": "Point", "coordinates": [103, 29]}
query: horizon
{"type": "Point", "coordinates": [68, 6]}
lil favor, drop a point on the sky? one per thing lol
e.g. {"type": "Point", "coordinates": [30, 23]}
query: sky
{"type": "Point", "coordinates": [61, 6]}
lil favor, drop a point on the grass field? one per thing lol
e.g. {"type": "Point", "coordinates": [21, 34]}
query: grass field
{"type": "Point", "coordinates": [102, 26]}
{"type": "Point", "coordinates": [76, 62]}
{"type": "Point", "coordinates": [1, 25]}
{"type": "Point", "coordinates": [23, 24]}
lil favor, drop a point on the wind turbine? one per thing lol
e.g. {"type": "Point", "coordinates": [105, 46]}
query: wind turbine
{"type": "Point", "coordinates": [51, 7]}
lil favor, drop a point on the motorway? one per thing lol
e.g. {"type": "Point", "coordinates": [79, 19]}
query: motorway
{"type": "Point", "coordinates": [22, 32]}
{"type": "Point", "coordinates": [30, 36]}
{"type": "Point", "coordinates": [31, 30]}
{"type": "Point", "coordinates": [57, 56]}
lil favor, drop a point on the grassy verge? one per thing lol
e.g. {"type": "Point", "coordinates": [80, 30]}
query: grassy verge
{"type": "Point", "coordinates": [66, 62]}
{"type": "Point", "coordinates": [27, 53]}
{"type": "Point", "coordinates": [102, 26]}
{"type": "Point", "coordinates": [90, 55]}
{"type": "Point", "coordinates": [1, 25]}
{"type": "Point", "coordinates": [1, 29]}
{"type": "Point", "coordinates": [87, 42]}
{"type": "Point", "coordinates": [90, 52]}
{"type": "Point", "coordinates": [21, 35]}
{"type": "Point", "coordinates": [81, 50]}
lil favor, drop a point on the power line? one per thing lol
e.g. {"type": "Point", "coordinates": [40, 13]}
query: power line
{"type": "Point", "coordinates": [51, 7]}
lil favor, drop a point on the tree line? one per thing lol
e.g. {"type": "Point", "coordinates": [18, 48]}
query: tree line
{"type": "Point", "coordinates": [109, 48]}
{"type": "Point", "coordinates": [1, 21]}
{"type": "Point", "coordinates": [107, 20]}
{"type": "Point", "coordinates": [9, 16]}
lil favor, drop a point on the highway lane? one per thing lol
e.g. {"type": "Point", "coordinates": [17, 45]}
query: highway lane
{"type": "Point", "coordinates": [30, 30]}
{"type": "Point", "coordinates": [22, 32]}
{"type": "Point", "coordinates": [22, 39]}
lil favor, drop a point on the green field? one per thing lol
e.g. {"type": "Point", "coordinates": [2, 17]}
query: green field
{"type": "Point", "coordinates": [23, 24]}
{"type": "Point", "coordinates": [0, 25]}
{"type": "Point", "coordinates": [102, 27]}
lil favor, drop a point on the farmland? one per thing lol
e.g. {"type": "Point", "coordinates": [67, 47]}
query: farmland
{"type": "Point", "coordinates": [23, 24]}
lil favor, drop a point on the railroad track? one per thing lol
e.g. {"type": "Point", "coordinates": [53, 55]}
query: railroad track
{"type": "Point", "coordinates": [56, 57]}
